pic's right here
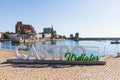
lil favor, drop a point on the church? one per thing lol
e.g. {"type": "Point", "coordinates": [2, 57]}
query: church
{"type": "Point", "coordinates": [24, 28]}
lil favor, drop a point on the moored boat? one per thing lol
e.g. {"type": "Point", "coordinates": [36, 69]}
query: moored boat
{"type": "Point", "coordinates": [115, 42]}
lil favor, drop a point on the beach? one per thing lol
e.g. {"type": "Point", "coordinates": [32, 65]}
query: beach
{"type": "Point", "coordinates": [110, 71]}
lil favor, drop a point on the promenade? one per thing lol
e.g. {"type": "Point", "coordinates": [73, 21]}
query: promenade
{"type": "Point", "coordinates": [110, 71]}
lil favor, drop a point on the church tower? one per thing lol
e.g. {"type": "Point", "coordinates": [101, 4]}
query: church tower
{"type": "Point", "coordinates": [18, 27]}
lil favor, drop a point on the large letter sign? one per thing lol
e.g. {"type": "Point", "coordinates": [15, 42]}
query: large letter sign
{"type": "Point", "coordinates": [43, 54]}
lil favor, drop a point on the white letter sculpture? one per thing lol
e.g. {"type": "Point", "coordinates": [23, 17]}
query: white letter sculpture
{"type": "Point", "coordinates": [53, 51]}
{"type": "Point", "coordinates": [16, 51]}
{"type": "Point", "coordinates": [82, 48]}
{"type": "Point", "coordinates": [61, 51]}
{"type": "Point", "coordinates": [33, 53]}
{"type": "Point", "coordinates": [43, 53]}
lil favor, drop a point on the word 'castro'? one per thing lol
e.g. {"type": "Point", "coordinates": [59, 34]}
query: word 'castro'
{"type": "Point", "coordinates": [43, 54]}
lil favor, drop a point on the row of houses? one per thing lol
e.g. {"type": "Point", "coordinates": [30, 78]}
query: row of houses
{"type": "Point", "coordinates": [26, 36]}
{"type": "Point", "coordinates": [27, 32]}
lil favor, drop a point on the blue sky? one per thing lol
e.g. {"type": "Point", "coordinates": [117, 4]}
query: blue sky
{"type": "Point", "coordinates": [91, 18]}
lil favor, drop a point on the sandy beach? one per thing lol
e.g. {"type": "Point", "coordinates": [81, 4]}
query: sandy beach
{"type": "Point", "coordinates": [110, 71]}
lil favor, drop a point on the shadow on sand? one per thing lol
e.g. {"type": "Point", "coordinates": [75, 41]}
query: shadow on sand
{"type": "Point", "coordinates": [4, 64]}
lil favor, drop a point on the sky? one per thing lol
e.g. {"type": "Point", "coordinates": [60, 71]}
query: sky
{"type": "Point", "coordinates": [90, 18]}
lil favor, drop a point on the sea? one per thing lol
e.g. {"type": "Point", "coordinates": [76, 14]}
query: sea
{"type": "Point", "coordinates": [97, 47]}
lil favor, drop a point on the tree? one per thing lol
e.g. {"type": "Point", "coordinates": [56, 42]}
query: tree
{"type": "Point", "coordinates": [5, 36]}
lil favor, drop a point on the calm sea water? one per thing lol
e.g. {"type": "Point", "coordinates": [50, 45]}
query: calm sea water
{"type": "Point", "coordinates": [102, 47]}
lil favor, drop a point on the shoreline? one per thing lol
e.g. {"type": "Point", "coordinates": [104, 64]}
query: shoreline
{"type": "Point", "coordinates": [81, 38]}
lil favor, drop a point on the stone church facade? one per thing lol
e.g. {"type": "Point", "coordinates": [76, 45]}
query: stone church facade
{"type": "Point", "coordinates": [24, 28]}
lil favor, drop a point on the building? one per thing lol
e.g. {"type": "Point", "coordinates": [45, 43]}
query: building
{"type": "Point", "coordinates": [12, 35]}
{"type": "Point", "coordinates": [71, 36]}
{"type": "Point", "coordinates": [49, 33]}
{"type": "Point", "coordinates": [24, 28]}
{"type": "Point", "coordinates": [47, 30]}
{"type": "Point", "coordinates": [76, 36]}
{"type": "Point", "coordinates": [38, 36]}
{"type": "Point", "coordinates": [0, 35]}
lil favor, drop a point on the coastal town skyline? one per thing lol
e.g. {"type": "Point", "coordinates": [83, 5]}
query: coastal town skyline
{"type": "Point", "coordinates": [88, 18]}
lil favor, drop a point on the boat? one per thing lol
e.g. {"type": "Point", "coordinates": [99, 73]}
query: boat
{"type": "Point", "coordinates": [115, 42]}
